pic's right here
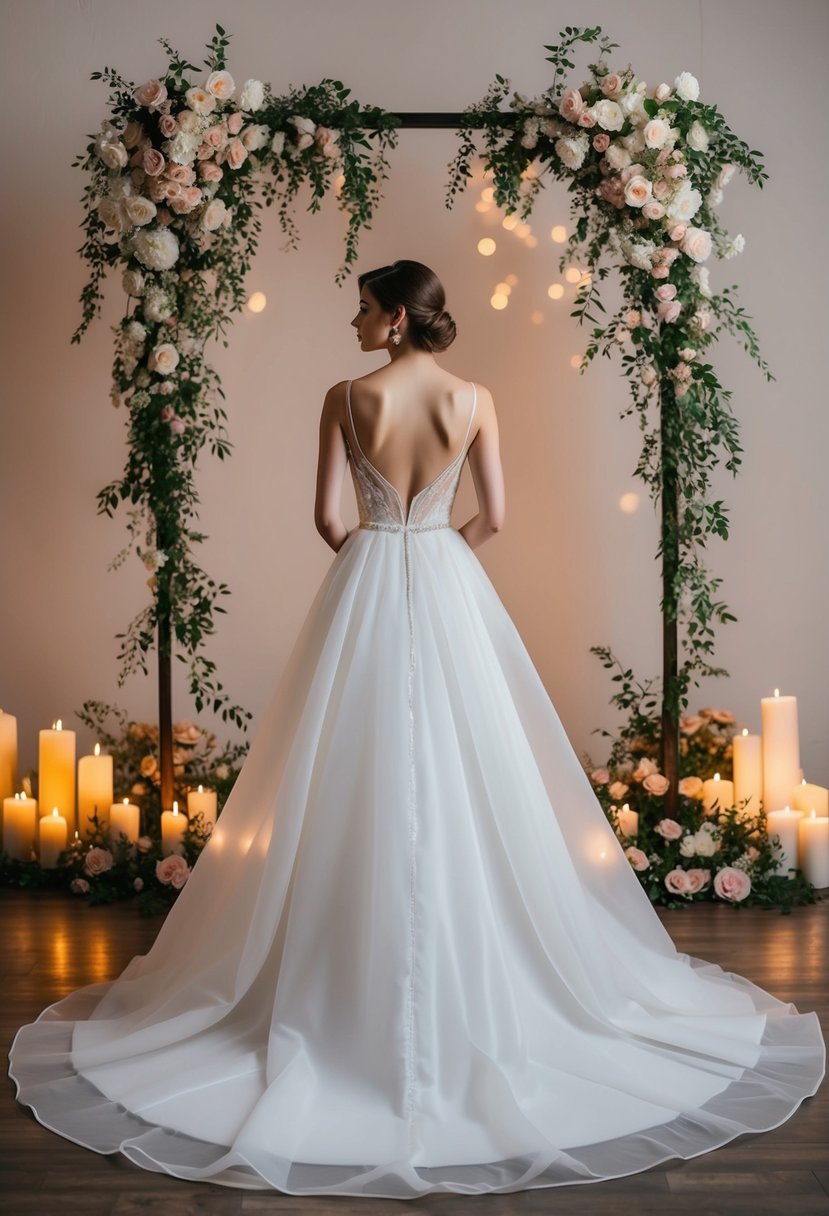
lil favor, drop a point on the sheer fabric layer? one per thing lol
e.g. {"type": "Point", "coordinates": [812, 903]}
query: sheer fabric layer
{"type": "Point", "coordinates": [413, 957]}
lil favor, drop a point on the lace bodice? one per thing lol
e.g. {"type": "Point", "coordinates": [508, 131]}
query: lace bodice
{"type": "Point", "coordinates": [379, 503]}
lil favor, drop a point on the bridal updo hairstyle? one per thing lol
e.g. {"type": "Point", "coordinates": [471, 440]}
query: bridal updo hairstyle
{"type": "Point", "coordinates": [421, 293]}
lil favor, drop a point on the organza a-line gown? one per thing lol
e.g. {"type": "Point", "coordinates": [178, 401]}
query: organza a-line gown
{"type": "Point", "coordinates": [413, 957]}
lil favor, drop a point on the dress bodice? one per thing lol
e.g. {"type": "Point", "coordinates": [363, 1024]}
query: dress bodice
{"type": "Point", "coordinates": [379, 503]}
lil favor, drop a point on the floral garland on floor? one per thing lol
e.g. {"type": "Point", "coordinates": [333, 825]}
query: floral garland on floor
{"type": "Point", "coordinates": [172, 202]}
{"type": "Point", "coordinates": [726, 856]}
{"type": "Point", "coordinates": [646, 168]}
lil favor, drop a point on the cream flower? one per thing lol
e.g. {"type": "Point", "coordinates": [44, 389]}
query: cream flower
{"type": "Point", "coordinates": [220, 84]}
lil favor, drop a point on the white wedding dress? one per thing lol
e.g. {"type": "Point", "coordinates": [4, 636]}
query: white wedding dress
{"type": "Point", "coordinates": [413, 957]}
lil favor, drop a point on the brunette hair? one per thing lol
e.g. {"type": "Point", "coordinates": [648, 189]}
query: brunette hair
{"type": "Point", "coordinates": [421, 292]}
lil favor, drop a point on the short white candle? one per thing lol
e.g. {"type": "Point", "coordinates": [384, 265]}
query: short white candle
{"type": "Point", "coordinates": [56, 772]}
{"type": "Point", "coordinates": [94, 790]}
{"type": "Point", "coordinates": [814, 848]}
{"type": "Point", "coordinates": [19, 826]}
{"type": "Point", "coordinates": [53, 836]}
{"type": "Point", "coordinates": [124, 817]}
{"type": "Point", "coordinates": [205, 801]}
{"type": "Point", "coordinates": [808, 797]}
{"type": "Point", "coordinates": [747, 759]}
{"type": "Point", "coordinates": [717, 789]}
{"type": "Point", "coordinates": [781, 750]}
{"type": "Point", "coordinates": [173, 825]}
{"type": "Point", "coordinates": [628, 821]}
{"type": "Point", "coordinates": [785, 825]}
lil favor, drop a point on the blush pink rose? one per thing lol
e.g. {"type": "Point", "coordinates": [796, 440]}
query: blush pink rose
{"type": "Point", "coordinates": [612, 85]}
{"type": "Point", "coordinates": [669, 829]}
{"type": "Point", "coordinates": [601, 142]}
{"type": "Point", "coordinates": [668, 310]}
{"type": "Point", "coordinates": [167, 125]}
{"type": "Point", "coordinates": [209, 171]}
{"type": "Point", "coordinates": [675, 171]}
{"type": "Point", "coordinates": [732, 884]}
{"type": "Point", "coordinates": [153, 161]}
{"type": "Point", "coordinates": [153, 93]}
{"type": "Point", "coordinates": [656, 783]}
{"type": "Point", "coordinates": [666, 292]}
{"type": "Point", "coordinates": [571, 105]}
{"type": "Point", "coordinates": [178, 426]}
{"type": "Point", "coordinates": [600, 776]}
{"type": "Point", "coordinates": [653, 210]}
{"type": "Point", "coordinates": [696, 879]}
{"type": "Point", "coordinates": [172, 870]}
{"type": "Point", "coordinates": [676, 881]}
{"type": "Point", "coordinates": [97, 861]}
{"type": "Point", "coordinates": [236, 153]}
{"type": "Point", "coordinates": [234, 122]}
{"type": "Point", "coordinates": [167, 412]}
{"type": "Point", "coordinates": [180, 173]}
{"type": "Point", "coordinates": [637, 858]}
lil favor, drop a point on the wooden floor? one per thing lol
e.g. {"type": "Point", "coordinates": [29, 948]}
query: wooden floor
{"type": "Point", "coordinates": [51, 945]}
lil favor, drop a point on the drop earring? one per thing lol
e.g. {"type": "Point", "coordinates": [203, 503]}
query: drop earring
{"type": "Point", "coordinates": [394, 335]}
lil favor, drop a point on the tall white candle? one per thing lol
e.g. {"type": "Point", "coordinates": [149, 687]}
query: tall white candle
{"type": "Point", "coordinates": [814, 848]}
{"type": "Point", "coordinates": [717, 790]}
{"type": "Point", "coordinates": [19, 826]}
{"type": "Point", "coordinates": [94, 790]}
{"type": "Point", "coordinates": [205, 801]}
{"type": "Point", "coordinates": [747, 759]}
{"type": "Point", "coordinates": [124, 817]}
{"type": "Point", "coordinates": [173, 825]}
{"type": "Point", "coordinates": [56, 772]}
{"type": "Point", "coordinates": [785, 824]}
{"type": "Point", "coordinates": [781, 750]}
{"type": "Point", "coordinates": [53, 836]}
{"type": "Point", "coordinates": [808, 797]}
{"type": "Point", "coordinates": [8, 755]}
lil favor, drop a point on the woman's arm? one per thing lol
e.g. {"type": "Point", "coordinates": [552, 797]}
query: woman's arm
{"type": "Point", "coordinates": [487, 475]}
{"type": "Point", "coordinates": [331, 467]}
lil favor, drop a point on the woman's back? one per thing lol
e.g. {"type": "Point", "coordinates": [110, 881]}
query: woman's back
{"type": "Point", "coordinates": [410, 430]}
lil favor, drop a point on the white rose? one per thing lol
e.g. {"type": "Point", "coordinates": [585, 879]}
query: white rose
{"type": "Point", "coordinates": [704, 844]}
{"type": "Point", "coordinates": [112, 213]}
{"type": "Point", "coordinates": [637, 190]}
{"type": "Point", "coordinates": [278, 142]}
{"type": "Point", "coordinates": [157, 248]}
{"type": "Point", "coordinates": [609, 114]}
{"type": "Point", "coordinates": [255, 136]}
{"type": "Point", "coordinates": [214, 215]}
{"type": "Point", "coordinates": [251, 95]}
{"type": "Point", "coordinates": [114, 156]}
{"type": "Point", "coordinates": [685, 203]}
{"type": "Point", "coordinates": [305, 126]}
{"type": "Point", "coordinates": [687, 86]}
{"type": "Point", "coordinates": [199, 101]}
{"type": "Point", "coordinates": [133, 282]}
{"type": "Point", "coordinates": [697, 136]}
{"type": "Point", "coordinates": [139, 210]}
{"type": "Point", "coordinates": [183, 147]}
{"type": "Point", "coordinates": [655, 133]}
{"type": "Point", "coordinates": [220, 84]}
{"type": "Point", "coordinates": [163, 358]}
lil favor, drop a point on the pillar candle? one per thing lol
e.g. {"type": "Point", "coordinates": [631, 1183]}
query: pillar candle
{"type": "Point", "coordinates": [814, 848]}
{"type": "Point", "coordinates": [205, 801]}
{"type": "Point", "coordinates": [124, 817]}
{"type": "Point", "coordinates": [781, 750]}
{"type": "Point", "coordinates": [785, 825]}
{"type": "Point", "coordinates": [717, 789]}
{"type": "Point", "coordinates": [628, 821]}
{"type": "Point", "coordinates": [8, 755]}
{"type": "Point", "coordinates": [808, 797]}
{"type": "Point", "coordinates": [94, 790]}
{"type": "Point", "coordinates": [53, 836]}
{"type": "Point", "coordinates": [19, 824]}
{"type": "Point", "coordinates": [56, 772]}
{"type": "Point", "coordinates": [747, 759]}
{"type": "Point", "coordinates": [173, 825]}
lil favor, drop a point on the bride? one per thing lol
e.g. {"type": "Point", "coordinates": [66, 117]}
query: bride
{"type": "Point", "coordinates": [413, 956]}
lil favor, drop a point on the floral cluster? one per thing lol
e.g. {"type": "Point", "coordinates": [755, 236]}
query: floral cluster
{"type": "Point", "coordinates": [724, 854]}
